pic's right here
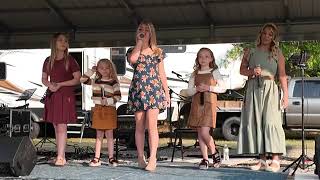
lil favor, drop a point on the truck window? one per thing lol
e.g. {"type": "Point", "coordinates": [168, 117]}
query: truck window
{"type": "Point", "coordinates": [311, 89]}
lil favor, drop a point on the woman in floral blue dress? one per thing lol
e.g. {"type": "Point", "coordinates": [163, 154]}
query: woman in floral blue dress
{"type": "Point", "coordinates": [148, 93]}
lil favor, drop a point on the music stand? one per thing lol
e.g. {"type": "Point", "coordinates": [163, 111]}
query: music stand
{"type": "Point", "coordinates": [300, 60]}
{"type": "Point", "coordinates": [26, 95]}
{"type": "Point", "coordinates": [45, 138]}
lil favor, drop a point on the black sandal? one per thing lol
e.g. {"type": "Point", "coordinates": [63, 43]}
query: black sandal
{"type": "Point", "coordinates": [113, 162]}
{"type": "Point", "coordinates": [204, 164]}
{"type": "Point", "coordinates": [216, 159]}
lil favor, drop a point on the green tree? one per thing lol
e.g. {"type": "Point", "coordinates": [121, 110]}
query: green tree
{"type": "Point", "coordinates": [288, 48]}
{"type": "Point", "coordinates": [313, 63]}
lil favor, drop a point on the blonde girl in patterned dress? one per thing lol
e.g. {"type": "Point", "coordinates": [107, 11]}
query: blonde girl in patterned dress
{"type": "Point", "coordinates": [261, 129]}
{"type": "Point", "coordinates": [148, 93]}
{"type": "Point", "coordinates": [204, 84]}
{"type": "Point", "coordinates": [106, 93]}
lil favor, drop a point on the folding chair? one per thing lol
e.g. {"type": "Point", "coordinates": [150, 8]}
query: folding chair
{"type": "Point", "coordinates": [182, 129]}
{"type": "Point", "coordinates": [123, 117]}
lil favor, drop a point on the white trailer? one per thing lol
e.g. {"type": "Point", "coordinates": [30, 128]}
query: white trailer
{"type": "Point", "coordinates": [24, 68]}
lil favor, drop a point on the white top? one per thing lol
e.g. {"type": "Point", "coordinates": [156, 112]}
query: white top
{"type": "Point", "coordinates": [220, 87]}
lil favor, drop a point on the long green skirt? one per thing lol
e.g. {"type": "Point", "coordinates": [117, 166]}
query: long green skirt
{"type": "Point", "coordinates": [261, 129]}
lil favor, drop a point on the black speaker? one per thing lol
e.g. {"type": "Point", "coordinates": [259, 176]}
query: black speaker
{"type": "Point", "coordinates": [3, 71]}
{"type": "Point", "coordinates": [118, 57]}
{"type": "Point", "coordinates": [20, 122]}
{"type": "Point", "coordinates": [17, 156]}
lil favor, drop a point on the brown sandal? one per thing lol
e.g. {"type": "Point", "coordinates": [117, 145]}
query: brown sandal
{"type": "Point", "coordinates": [216, 159]}
{"type": "Point", "coordinates": [204, 164]}
{"type": "Point", "coordinates": [95, 162]}
{"type": "Point", "coordinates": [274, 168]}
{"type": "Point", "coordinates": [113, 162]}
{"type": "Point", "coordinates": [142, 162]}
{"type": "Point", "coordinates": [261, 165]}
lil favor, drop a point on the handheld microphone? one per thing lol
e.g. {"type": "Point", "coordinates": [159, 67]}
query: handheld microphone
{"type": "Point", "coordinates": [177, 74]}
{"type": "Point", "coordinates": [259, 78]}
{"type": "Point", "coordinates": [141, 35]}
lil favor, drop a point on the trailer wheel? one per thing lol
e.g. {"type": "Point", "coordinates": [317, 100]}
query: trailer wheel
{"type": "Point", "coordinates": [230, 128]}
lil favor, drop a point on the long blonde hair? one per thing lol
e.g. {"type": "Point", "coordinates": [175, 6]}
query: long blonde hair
{"type": "Point", "coordinates": [274, 46]}
{"type": "Point", "coordinates": [153, 37]}
{"type": "Point", "coordinates": [212, 64]}
{"type": "Point", "coordinates": [53, 46]}
{"type": "Point", "coordinates": [113, 70]}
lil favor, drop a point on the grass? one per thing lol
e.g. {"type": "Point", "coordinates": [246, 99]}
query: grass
{"type": "Point", "coordinates": [293, 142]}
{"type": "Point", "coordinates": [163, 142]}
{"type": "Point", "coordinates": [293, 146]}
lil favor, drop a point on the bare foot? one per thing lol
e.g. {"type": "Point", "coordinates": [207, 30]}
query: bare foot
{"type": "Point", "coordinates": [142, 162]}
{"type": "Point", "coordinates": [152, 164]}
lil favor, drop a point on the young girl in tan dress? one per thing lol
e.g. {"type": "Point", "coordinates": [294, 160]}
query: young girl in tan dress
{"type": "Point", "coordinates": [204, 83]}
{"type": "Point", "coordinates": [106, 92]}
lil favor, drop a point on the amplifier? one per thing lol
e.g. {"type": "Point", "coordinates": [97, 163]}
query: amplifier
{"type": "Point", "coordinates": [20, 122]}
{"type": "Point", "coordinates": [4, 122]}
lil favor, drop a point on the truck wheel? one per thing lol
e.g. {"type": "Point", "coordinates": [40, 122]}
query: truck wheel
{"type": "Point", "coordinates": [230, 128]}
{"type": "Point", "coordinates": [35, 130]}
{"type": "Point", "coordinates": [35, 127]}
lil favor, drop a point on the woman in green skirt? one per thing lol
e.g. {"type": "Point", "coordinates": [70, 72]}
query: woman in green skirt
{"type": "Point", "coordinates": [261, 129]}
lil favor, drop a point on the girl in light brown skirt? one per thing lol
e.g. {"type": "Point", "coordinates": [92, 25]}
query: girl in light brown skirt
{"type": "Point", "coordinates": [106, 92]}
{"type": "Point", "coordinates": [204, 83]}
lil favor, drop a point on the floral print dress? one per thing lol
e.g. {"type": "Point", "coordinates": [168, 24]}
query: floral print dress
{"type": "Point", "coordinates": [146, 91]}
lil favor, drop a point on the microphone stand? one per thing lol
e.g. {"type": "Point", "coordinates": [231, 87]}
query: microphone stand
{"type": "Point", "coordinates": [170, 143]}
{"type": "Point", "coordinates": [301, 159]}
{"type": "Point", "coordinates": [183, 80]}
{"type": "Point", "coordinates": [169, 111]}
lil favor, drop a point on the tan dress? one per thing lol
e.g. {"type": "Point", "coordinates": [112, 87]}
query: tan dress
{"type": "Point", "coordinates": [203, 115]}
